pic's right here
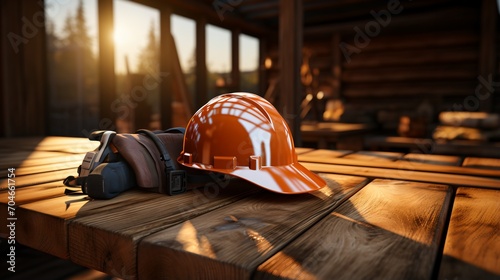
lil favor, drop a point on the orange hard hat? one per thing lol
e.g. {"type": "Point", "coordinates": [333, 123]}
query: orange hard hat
{"type": "Point", "coordinates": [243, 135]}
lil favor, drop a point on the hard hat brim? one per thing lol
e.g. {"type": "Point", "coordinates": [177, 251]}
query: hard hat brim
{"type": "Point", "coordinates": [289, 179]}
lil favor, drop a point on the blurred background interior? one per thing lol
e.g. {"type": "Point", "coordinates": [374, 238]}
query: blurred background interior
{"type": "Point", "coordinates": [349, 74]}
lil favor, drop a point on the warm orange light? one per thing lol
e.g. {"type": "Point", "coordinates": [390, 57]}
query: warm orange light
{"type": "Point", "coordinates": [268, 63]}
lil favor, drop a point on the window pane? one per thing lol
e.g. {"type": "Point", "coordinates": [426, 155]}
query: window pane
{"type": "Point", "coordinates": [249, 64]}
{"type": "Point", "coordinates": [184, 32]}
{"type": "Point", "coordinates": [72, 55]}
{"type": "Point", "coordinates": [136, 37]}
{"type": "Point", "coordinates": [218, 59]}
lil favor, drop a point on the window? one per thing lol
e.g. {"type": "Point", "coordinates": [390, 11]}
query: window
{"type": "Point", "coordinates": [184, 32]}
{"type": "Point", "coordinates": [136, 36]}
{"type": "Point", "coordinates": [72, 57]}
{"type": "Point", "coordinates": [249, 64]}
{"type": "Point", "coordinates": [218, 59]}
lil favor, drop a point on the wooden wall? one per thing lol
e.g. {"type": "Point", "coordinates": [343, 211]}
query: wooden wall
{"type": "Point", "coordinates": [23, 108]}
{"type": "Point", "coordinates": [423, 61]}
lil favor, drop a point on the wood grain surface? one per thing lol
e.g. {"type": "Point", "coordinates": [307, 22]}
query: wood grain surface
{"type": "Point", "coordinates": [432, 159]}
{"type": "Point", "coordinates": [374, 156]}
{"type": "Point", "coordinates": [472, 247]}
{"type": "Point", "coordinates": [419, 176]}
{"type": "Point", "coordinates": [388, 230]}
{"type": "Point", "coordinates": [230, 242]}
{"type": "Point", "coordinates": [484, 163]}
{"type": "Point", "coordinates": [108, 241]}
{"type": "Point", "coordinates": [43, 224]}
{"type": "Point", "coordinates": [323, 153]}
{"type": "Point", "coordinates": [318, 157]}
{"type": "Point", "coordinates": [14, 158]}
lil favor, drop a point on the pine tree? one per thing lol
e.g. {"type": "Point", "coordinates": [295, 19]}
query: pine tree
{"type": "Point", "coordinates": [149, 58]}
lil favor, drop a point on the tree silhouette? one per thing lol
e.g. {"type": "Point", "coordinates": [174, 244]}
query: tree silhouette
{"type": "Point", "coordinates": [72, 76]}
{"type": "Point", "coordinates": [149, 58]}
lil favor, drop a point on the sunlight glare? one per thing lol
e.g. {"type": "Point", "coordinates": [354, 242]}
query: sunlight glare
{"type": "Point", "coordinates": [118, 37]}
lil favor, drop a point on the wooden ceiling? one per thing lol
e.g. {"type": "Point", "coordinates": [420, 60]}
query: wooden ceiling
{"type": "Point", "coordinates": [324, 12]}
{"type": "Point", "coordinates": [321, 17]}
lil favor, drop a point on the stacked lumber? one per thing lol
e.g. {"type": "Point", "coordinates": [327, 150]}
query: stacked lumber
{"type": "Point", "coordinates": [477, 126]}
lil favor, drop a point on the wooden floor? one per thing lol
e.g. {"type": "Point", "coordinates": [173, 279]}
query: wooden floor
{"type": "Point", "coordinates": [383, 215]}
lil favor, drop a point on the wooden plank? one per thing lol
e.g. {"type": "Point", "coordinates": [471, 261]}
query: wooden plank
{"type": "Point", "coordinates": [51, 144]}
{"type": "Point", "coordinates": [44, 223]}
{"type": "Point", "coordinates": [60, 164]}
{"type": "Point", "coordinates": [472, 246]}
{"type": "Point", "coordinates": [323, 153]}
{"type": "Point", "coordinates": [409, 73]}
{"type": "Point", "coordinates": [28, 158]}
{"type": "Point", "coordinates": [417, 176]}
{"type": "Point", "coordinates": [108, 241]}
{"type": "Point", "coordinates": [40, 178]}
{"type": "Point", "coordinates": [374, 156]}
{"type": "Point", "coordinates": [470, 119]}
{"type": "Point", "coordinates": [20, 143]}
{"type": "Point", "coordinates": [28, 195]}
{"type": "Point", "coordinates": [432, 159]}
{"type": "Point", "coordinates": [388, 230]}
{"type": "Point", "coordinates": [299, 151]}
{"type": "Point", "coordinates": [417, 57]}
{"type": "Point", "coordinates": [230, 242]}
{"type": "Point", "coordinates": [408, 89]}
{"type": "Point", "coordinates": [318, 157]}
{"type": "Point", "coordinates": [458, 147]}
{"type": "Point", "coordinates": [484, 163]}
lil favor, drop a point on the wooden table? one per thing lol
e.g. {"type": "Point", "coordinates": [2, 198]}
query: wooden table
{"type": "Point", "coordinates": [383, 215]}
{"type": "Point", "coordinates": [339, 135]}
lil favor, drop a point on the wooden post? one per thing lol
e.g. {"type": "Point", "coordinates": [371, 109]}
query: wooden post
{"type": "Point", "coordinates": [290, 57]}
{"type": "Point", "coordinates": [166, 92]}
{"type": "Point", "coordinates": [23, 62]}
{"type": "Point", "coordinates": [201, 64]}
{"type": "Point", "coordinates": [107, 86]}
{"type": "Point", "coordinates": [487, 55]}
{"type": "Point", "coordinates": [261, 67]}
{"type": "Point", "coordinates": [235, 60]}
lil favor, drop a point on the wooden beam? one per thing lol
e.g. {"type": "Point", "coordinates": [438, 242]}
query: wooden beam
{"type": "Point", "coordinates": [487, 55]}
{"type": "Point", "coordinates": [213, 13]}
{"type": "Point", "coordinates": [261, 67]}
{"type": "Point", "coordinates": [23, 62]}
{"type": "Point", "coordinates": [235, 60]}
{"type": "Point", "coordinates": [290, 57]}
{"type": "Point", "coordinates": [201, 64]}
{"type": "Point", "coordinates": [166, 52]}
{"type": "Point", "coordinates": [107, 86]}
